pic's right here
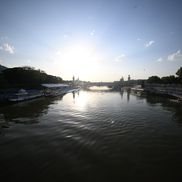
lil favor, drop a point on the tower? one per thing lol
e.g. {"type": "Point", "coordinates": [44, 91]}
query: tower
{"type": "Point", "coordinates": [129, 77]}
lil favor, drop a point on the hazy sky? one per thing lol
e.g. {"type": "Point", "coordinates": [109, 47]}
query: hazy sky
{"type": "Point", "coordinates": [94, 40]}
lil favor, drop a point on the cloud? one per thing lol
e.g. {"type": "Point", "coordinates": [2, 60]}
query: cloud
{"type": "Point", "coordinates": [176, 56]}
{"type": "Point", "coordinates": [148, 44]}
{"type": "Point", "coordinates": [7, 48]}
{"type": "Point", "coordinates": [120, 58]}
{"type": "Point", "coordinates": [160, 59]}
{"type": "Point", "coordinates": [92, 33]}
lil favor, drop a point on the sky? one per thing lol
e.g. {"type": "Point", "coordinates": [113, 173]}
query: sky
{"type": "Point", "coordinates": [96, 40]}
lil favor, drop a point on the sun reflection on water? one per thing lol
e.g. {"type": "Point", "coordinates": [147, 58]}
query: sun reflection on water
{"type": "Point", "coordinates": [80, 100]}
{"type": "Point", "coordinates": [102, 88]}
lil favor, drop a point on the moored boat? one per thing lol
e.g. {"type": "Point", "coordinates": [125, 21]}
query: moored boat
{"type": "Point", "coordinates": [23, 95]}
{"type": "Point", "coordinates": [54, 90]}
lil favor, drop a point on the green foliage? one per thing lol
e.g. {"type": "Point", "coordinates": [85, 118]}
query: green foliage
{"type": "Point", "coordinates": [154, 79]}
{"type": "Point", "coordinates": [164, 80]}
{"type": "Point", "coordinates": [26, 77]}
{"type": "Point", "coordinates": [179, 72]}
{"type": "Point", "coordinates": [167, 79]}
{"type": "Point", "coordinates": [3, 82]}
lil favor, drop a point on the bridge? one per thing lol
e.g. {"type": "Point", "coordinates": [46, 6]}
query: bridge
{"type": "Point", "coordinates": [99, 84]}
{"type": "Point", "coordinates": [114, 85]}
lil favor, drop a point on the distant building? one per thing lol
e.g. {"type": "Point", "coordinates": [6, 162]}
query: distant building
{"type": "Point", "coordinates": [122, 79]}
{"type": "Point", "coordinates": [129, 78]}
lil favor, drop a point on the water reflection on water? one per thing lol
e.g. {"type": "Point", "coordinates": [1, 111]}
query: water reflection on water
{"type": "Point", "coordinates": [92, 136]}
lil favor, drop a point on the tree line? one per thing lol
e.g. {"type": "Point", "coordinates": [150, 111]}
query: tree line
{"type": "Point", "coordinates": [26, 77]}
{"type": "Point", "coordinates": [167, 79]}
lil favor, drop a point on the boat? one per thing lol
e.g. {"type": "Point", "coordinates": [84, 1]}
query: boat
{"type": "Point", "coordinates": [177, 101]}
{"type": "Point", "coordinates": [54, 90]}
{"type": "Point", "coordinates": [137, 89]}
{"type": "Point", "coordinates": [23, 95]}
{"type": "Point", "coordinates": [53, 93]}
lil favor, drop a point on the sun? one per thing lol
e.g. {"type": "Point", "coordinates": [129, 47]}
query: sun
{"type": "Point", "coordinates": [80, 60]}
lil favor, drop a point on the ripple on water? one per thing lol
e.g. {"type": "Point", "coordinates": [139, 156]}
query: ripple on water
{"type": "Point", "coordinates": [107, 134]}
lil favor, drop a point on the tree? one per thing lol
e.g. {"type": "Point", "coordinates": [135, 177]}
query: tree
{"type": "Point", "coordinates": [28, 68]}
{"type": "Point", "coordinates": [179, 72]}
{"type": "Point", "coordinates": [169, 79]}
{"type": "Point", "coordinates": [28, 77]}
{"type": "Point", "coordinates": [154, 79]}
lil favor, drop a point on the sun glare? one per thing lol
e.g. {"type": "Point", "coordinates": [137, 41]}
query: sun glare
{"type": "Point", "coordinates": [82, 101]}
{"type": "Point", "coordinates": [80, 60]}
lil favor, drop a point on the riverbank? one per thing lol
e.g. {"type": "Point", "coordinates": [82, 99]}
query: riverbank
{"type": "Point", "coordinates": [48, 90]}
{"type": "Point", "coordinates": [10, 94]}
{"type": "Point", "coordinates": [170, 90]}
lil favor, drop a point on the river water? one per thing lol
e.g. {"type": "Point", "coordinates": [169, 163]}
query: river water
{"type": "Point", "coordinates": [92, 136]}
